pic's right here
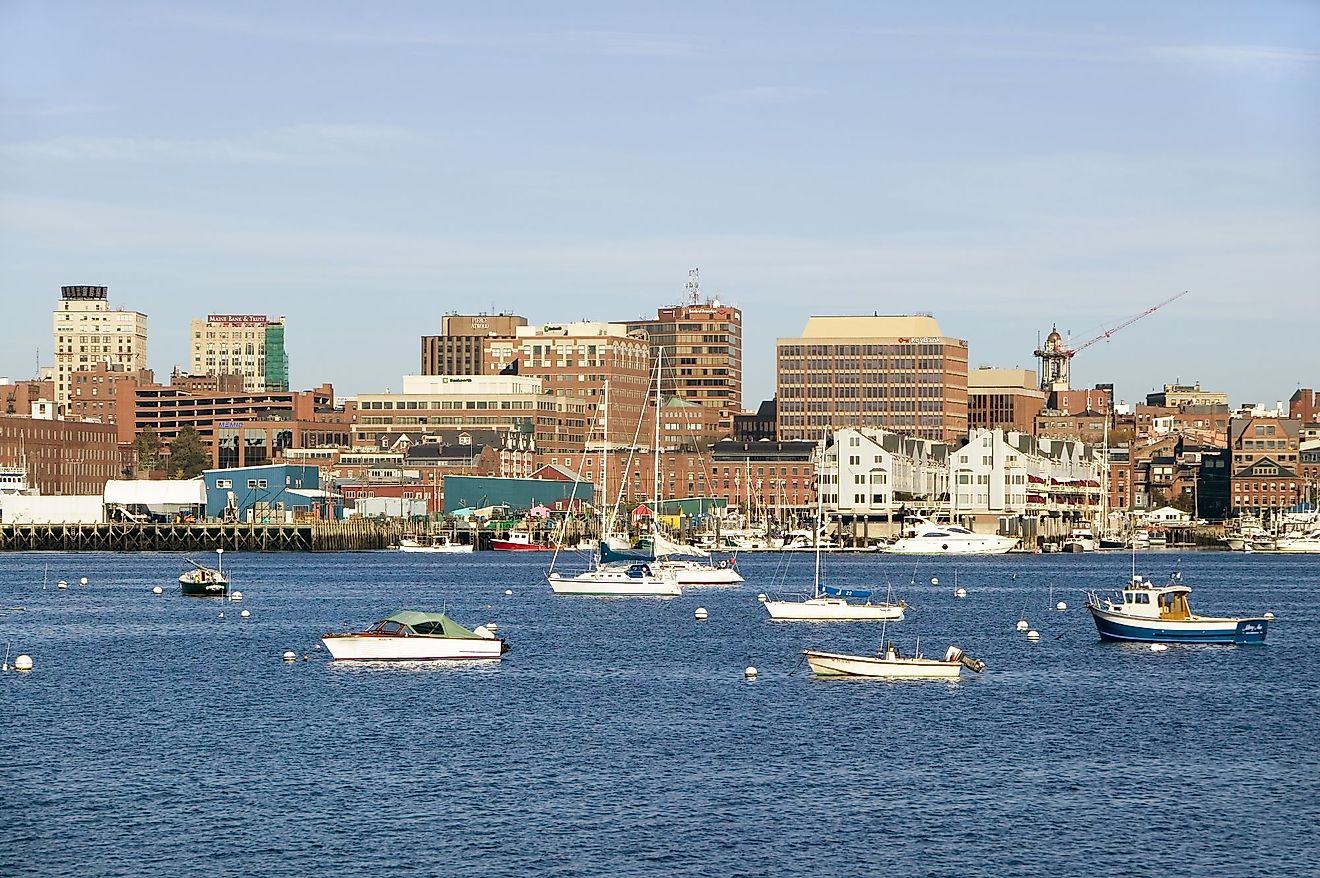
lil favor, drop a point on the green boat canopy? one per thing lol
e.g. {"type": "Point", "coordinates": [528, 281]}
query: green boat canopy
{"type": "Point", "coordinates": [435, 624]}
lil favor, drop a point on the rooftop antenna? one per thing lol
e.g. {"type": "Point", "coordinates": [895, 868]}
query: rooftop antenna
{"type": "Point", "coordinates": [694, 286]}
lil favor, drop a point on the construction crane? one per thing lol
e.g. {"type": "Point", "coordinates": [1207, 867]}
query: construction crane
{"type": "Point", "coordinates": [1055, 355]}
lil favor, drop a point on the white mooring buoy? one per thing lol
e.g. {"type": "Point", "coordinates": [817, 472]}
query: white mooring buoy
{"type": "Point", "coordinates": [61, 584]}
{"type": "Point", "coordinates": [508, 592]}
{"type": "Point", "coordinates": [290, 655]}
{"type": "Point", "coordinates": [83, 581]}
{"type": "Point", "coordinates": [1022, 625]}
{"type": "Point", "coordinates": [1033, 635]}
{"type": "Point", "coordinates": [960, 592]}
{"type": "Point", "coordinates": [1158, 647]}
{"type": "Point", "coordinates": [934, 580]}
{"type": "Point", "coordinates": [158, 590]}
{"type": "Point", "coordinates": [235, 597]}
{"type": "Point", "coordinates": [700, 613]}
{"type": "Point", "coordinates": [1269, 615]}
{"type": "Point", "coordinates": [222, 614]}
{"type": "Point", "coordinates": [245, 614]}
{"type": "Point", "coordinates": [23, 663]}
{"type": "Point", "coordinates": [761, 597]}
{"type": "Point", "coordinates": [1061, 606]}
{"type": "Point", "coordinates": [750, 673]}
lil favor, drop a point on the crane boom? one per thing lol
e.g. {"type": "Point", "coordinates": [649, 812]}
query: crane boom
{"type": "Point", "coordinates": [1128, 322]}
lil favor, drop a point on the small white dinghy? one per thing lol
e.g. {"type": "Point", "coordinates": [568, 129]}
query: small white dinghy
{"type": "Point", "coordinates": [890, 664]}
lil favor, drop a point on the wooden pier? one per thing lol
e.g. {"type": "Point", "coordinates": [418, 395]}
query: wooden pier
{"type": "Point", "coordinates": [313, 536]}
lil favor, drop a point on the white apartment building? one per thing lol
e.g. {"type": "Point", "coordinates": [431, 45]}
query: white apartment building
{"type": "Point", "coordinates": [998, 473]}
{"type": "Point", "coordinates": [874, 473]}
{"type": "Point", "coordinates": [87, 332]}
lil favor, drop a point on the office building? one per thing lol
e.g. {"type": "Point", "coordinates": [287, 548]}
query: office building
{"type": "Point", "coordinates": [250, 345]}
{"type": "Point", "coordinates": [460, 347]}
{"type": "Point", "coordinates": [87, 332]}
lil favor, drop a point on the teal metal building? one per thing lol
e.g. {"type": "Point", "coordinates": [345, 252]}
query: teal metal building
{"type": "Point", "coordinates": [477, 492]}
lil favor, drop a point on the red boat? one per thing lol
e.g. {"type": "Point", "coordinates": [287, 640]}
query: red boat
{"type": "Point", "coordinates": [519, 541]}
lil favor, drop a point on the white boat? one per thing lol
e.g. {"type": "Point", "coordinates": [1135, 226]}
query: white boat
{"type": "Point", "coordinates": [1080, 539]}
{"type": "Point", "coordinates": [691, 565]}
{"type": "Point", "coordinates": [830, 604]}
{"type": "Point", "coordinates": [949, 539]}
{"type": "Point", "coordinates": [439, 543]}
{"type": "Point", "coordinates": [1308, 543]}
{"type": "Point", "coordinates": [608, 573]}
{"type": "Point", "coordinates": [891, 665]}
{"type": "Point", "coordinates": [415, 636]}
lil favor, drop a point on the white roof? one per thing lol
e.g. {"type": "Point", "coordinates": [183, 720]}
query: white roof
{"type": "Point", "coordinates": [315, 493]}
{"type": "Point", "coordinates": [148, 492]}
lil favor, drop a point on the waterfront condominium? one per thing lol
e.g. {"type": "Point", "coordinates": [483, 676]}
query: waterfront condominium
{"type": "Point", "coordinates": [898, 373]}
{"type": "Point", "coordinates": [87, 332]}
{"type": "Point", "coordinates": [251, 345]}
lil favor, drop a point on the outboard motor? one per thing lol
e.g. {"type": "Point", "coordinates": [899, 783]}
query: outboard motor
{"type": "Point", "coordinates": [954, 654]}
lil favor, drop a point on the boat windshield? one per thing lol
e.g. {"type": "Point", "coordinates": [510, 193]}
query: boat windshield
{"type": "Point", "coordinates": [389, 626]}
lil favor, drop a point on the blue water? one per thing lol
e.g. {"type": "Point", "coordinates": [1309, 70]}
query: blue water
{"type": "Point", "coordinates": [620, 738]}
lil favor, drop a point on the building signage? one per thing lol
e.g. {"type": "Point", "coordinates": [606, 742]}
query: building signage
{"type": "Point", "coordinates": [237, 319]}
{"type": "Point", "coordinates": [447, 380]}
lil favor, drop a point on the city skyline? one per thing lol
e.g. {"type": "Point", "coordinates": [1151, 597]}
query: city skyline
{"type": "Point", "coordinates": [372, 171]}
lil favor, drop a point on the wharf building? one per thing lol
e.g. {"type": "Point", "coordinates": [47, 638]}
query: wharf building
{"type": "Point", "coordinates": [251, 345]}
{"type": "Point", "coordinates": [1006, 398]}
{"type": "Point", "coordinates": [460, 348]}
{"type": "Point", "coordinates": [430, 404]}
{"type": "Point", "coordinates": [58, 456]}
{"type": "Point", "coordinates": [700, 347]}
{"type": "Point", "coordinates": [88, 332]}
{"type": "Point", "coordinates": [896, 373]}
{"type": "Point", "coordinates": [575, 361]}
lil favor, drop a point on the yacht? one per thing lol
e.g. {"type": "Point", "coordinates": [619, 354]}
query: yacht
{"type": "Point", "coordinates": [928, 538]}
{"type": "Point", "coordinates": [1081, 539]}
{"type": "Point", "coordinates": [414, 636]}
{"type": "Point", "coordinates": [1307, 543]}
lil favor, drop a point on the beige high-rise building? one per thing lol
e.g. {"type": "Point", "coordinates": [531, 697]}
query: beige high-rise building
{"type": "Point", "coordinates": [898, 373]}
{"type": "Point", "coordinates": [576, 360]}
{"type": "Point", "coordinates": [251, 345]}
{"type": "Point", "coordinates": [459, 348]}
{"type": "Point", "coordinates": [87, 332]}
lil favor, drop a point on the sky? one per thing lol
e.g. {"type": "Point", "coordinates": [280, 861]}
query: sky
{"type": "Point", "coordinates": [363, 169]}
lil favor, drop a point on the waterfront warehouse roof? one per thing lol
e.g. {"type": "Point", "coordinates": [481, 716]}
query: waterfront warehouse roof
{"type": "Point", "coordinates": [908, 326]}
{"type": "Point", "coordinates": [161, 492]}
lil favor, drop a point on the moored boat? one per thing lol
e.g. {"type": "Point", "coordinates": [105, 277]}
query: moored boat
{"type": "Point", "coordinates": [1307, 543]}
{"type": "Point", "coordinates": [1080, 539]}
{"type": "Point", "coordinates": [949, 539]}
{"type": "Point", "coordinates": [891, 665]}
{"type": "Point", "coordinates": [437, 544]}
{"type": "Point", "coordinates": [203, 581]}
{"type": "Point", "coordinates": [1147, 613]}
{"type": "Point", "coordinates": [410, 635]}
{"type": "Point", "coordinates": [519, 541]}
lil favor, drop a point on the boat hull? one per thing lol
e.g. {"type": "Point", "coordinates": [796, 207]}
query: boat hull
{"type": "Point", "coordinates": [830, 664]}
{"type": "Point", "coordinates": [1305, 546]}
{"type": "Point", "coordinates": [455, 549]}
{"type": "Point", "coordinates": [924, 546]}
{"type": "Point", "coordinates": [1114, 627]}
{"type": "Point", "coordinates": [832, 610]}
{"type": "Point", "coordinates": [193, 586]}
{"type": "Point", "coordinates": [610, 583]}
{"type": "Point", "coordinates": [703, 574]}
{"type": "Point", "coordinates": [507, 546]}
{"type": "Point", "coordinates": [414, 648]}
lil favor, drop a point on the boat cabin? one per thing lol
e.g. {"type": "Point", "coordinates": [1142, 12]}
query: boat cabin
{"type": "Point", "coordinates": [1149, 601]}
{"type": "Point", "coordinates": [415, 624]}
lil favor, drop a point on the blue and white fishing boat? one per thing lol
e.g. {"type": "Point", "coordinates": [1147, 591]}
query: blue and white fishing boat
{"type": "Point", "coordinates": [1149, 613]}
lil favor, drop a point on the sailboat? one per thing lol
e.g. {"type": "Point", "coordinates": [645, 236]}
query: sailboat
{"type": "Point", "coordinates": [830, 604]}
{"type": "Point", "coordinates": [205, 582]}
{"type": "Point", "coordinates": [612, 572]}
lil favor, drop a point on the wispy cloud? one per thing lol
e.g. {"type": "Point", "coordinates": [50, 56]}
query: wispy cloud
{"type": "Point", "coordinates": [762, 94]}
{"type": "Point", "coordinates": [1237, 56]}
{"type": "Point", "coordinates": [35, 110]}
{"type": "Point", "coordinates": [296, 144]}
{"type": "Point", "coordinates": [569, 41]}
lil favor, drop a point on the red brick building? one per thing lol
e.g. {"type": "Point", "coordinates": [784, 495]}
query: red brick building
{"type": "Point", "coordinates": [1265, 463]}
{"type": "Point", "coordinates": [61, 457]}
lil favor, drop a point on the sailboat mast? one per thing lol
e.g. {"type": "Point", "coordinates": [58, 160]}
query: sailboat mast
{"type": "Point", "coordinates": [605, 525]}
{"type": "Point", "coordinates": [820, 478]}
{"type": "Point", "coordinates": [655, 445]}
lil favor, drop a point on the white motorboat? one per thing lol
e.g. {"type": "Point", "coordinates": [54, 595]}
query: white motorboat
{"type": "Point", "coordinates": [949, 539]}
{"type": "Point", "coordinates": [414, 636]}
{"type": "Point", "coordinates": [691, 565]}
{"type": "Point", "coordinates": [439, 543]}
{"type": "Point", "coordinates": [1080, 539]}
{"type": "Point", "coordinates": [891, 665]}
{"type": "Point", "coordinates": [1308, 543]}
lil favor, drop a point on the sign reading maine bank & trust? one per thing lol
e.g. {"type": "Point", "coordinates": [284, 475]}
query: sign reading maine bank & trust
{"type": "Point", "coordinates": [237, 319]}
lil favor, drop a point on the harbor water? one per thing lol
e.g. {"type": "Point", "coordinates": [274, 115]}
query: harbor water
{"type": "Point", "coordinates": [619, 737]}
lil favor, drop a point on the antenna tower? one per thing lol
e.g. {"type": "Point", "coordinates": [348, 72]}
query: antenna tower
{"type": "Point", "coordinates": [694, 287]}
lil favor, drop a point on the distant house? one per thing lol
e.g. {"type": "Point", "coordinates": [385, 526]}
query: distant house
{"type": "Point", "coordinates": [1167, 515]}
